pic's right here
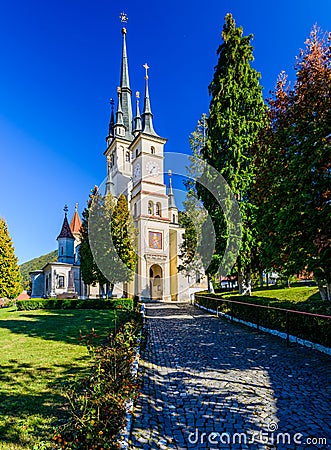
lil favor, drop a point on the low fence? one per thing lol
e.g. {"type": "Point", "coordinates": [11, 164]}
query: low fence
{"type": "Point", "coordinates": [315, 328]}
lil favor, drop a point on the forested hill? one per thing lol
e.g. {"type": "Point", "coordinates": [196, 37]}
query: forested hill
{"type": "Point", "coordinates": [35, 264]}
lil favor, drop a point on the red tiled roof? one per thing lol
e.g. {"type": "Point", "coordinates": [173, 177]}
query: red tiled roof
{"type": "Point", "coordinates": [76, 223]}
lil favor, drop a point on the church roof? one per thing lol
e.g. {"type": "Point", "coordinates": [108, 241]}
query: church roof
{"type": "Point", "coordinates": [65, 231]}
{"type": "Point", "coordinates": [76, 223]}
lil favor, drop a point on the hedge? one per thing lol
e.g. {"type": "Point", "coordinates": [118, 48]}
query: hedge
{"type": "Point", "coordinates": [54, 303]}
{"type": "Point", "coordinates": [311, 328]}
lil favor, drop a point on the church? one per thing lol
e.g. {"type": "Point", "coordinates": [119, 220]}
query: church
{"type": "Point", "coordinates": [135, 168]}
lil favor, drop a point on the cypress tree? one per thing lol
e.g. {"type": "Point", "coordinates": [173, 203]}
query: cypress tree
{"type": "Point", "coordinates": [237, 115]}
{"type": "Point", "coordinates": [10, 277]}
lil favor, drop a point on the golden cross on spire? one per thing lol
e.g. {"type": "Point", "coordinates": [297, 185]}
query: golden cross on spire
{"type": "Point", "coordinates": [146, 66]}
{"type": "Point", "coordinates": [124, 17]}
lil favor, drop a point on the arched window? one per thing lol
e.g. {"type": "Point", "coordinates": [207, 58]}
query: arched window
{"type": "Point", "coordinates": [153, 150]}
{"type": "Point", "coordinates": [137, 151]}
{"type": "Point", "coordinates": [158, 209]}
{"type": "Point", "coordinates": [112, 160]}
{"type": "Point", "coordinates": [127, 156]}
{"type": "Point", "coordinates": [174, 218]}
{"type": "Point", "coordinates": [150, 208]}
{"type": "Point", "coordinates": [135, 210]}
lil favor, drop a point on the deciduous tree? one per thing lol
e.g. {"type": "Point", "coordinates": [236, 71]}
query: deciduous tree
{"type": "Point", "coordinates": [296, 179]}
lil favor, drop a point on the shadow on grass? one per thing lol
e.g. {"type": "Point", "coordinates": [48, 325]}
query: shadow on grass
{"type": "Point", "coordinates": [27, 414]}
{"type": "Point", "coordinates": [61, 326]}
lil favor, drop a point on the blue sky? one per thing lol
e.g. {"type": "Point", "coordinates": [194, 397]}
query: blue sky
{"type": "Point", "coordinates": [60, 64]}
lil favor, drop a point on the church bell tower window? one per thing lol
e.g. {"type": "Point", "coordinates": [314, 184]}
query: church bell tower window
{"type": "Point", "coordinates": [150, 208]}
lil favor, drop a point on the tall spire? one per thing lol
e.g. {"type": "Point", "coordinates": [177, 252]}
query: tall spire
{"type": "Point", "coordinates": [137, 119]}
{"type": "Point", "coordinates": [109, 183]}
{"type": "Point", "coordinates": [147, 114]}
{"type": "Point", "coordinates": [125, 90]}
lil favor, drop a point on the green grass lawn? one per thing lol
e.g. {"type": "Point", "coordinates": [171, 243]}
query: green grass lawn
{"type": "Point", "coordinates": [301, 298]}
{"type": "Point", "coordinates": [39, 351]}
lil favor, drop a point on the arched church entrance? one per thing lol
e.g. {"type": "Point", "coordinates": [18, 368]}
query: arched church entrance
{"type": "Point", "coordinates": [156, 282]}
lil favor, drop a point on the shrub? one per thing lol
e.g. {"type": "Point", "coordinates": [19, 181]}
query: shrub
{"type": "Point", "coordinates": [55, 303]}
{"type": "Point", "coordinates": [314, 329]}
{"type": "Point", "coordinates": [96, 404]}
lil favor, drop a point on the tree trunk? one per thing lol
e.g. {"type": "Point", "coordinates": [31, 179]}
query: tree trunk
{"type": "Point", "coordinates": [328, 291]}
{"type": "Point", "coordinates": [245, 282]}
{"type": "Point", "coordinates": [101, 290]}
{"type": "Point", "coordinates": [210, 285]}
{"type": "Point", "coordinates": [322, 290]}
{"type": "Point", "coordinates": [261, 279]}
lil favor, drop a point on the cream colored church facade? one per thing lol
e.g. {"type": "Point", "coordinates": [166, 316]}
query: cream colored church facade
{"type": "Point", "coordinates": [135, 167]}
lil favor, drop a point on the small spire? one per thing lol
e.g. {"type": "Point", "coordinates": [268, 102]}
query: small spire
{"type": "Point", "coordinates": [110, 189]}
{"type": "Point", "coordinates": [119, 112]}
{"type": "Point", "coordinates": [65, 230]}
{"type": "Point", "coordinates": [137, 119]}
{"type": "Point", "coordinates": [171, 195]}
{"type": "Point", "coordinates": [147, 114]}
{"type": "Point", "coordinates": [112, 118]}
{"type": "Point", "coordinates": [76, 223]}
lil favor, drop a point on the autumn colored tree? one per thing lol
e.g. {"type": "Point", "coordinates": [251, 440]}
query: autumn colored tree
{"type": "Point", "coordinates": [107, 250]}
{"type": "Point", "coordinates": [237, 115]}
{"type": "Point", "coordinates": [10, 277]}
{"type": "Point", "coordinates": [295, 168]}
{"type": "Point", "coordinates": [124, 239]}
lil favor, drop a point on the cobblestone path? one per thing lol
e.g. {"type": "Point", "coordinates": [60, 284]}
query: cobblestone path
{"type": "Point", "coordinates": [206, 380]}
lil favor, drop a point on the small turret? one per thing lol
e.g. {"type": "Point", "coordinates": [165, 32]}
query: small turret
{"type": "Point", "coordinates": [147, 115]}
{"type": "Point", "coordinates": [173, 210]}
{"type": "Point", "coordinates": [66, 241]}
{"type": "Point", "coordinates": [111, 122]}
{"type": "Point", "coordinates": [110, 189]}
{"type": "Point", "coordinates": [137, 119]}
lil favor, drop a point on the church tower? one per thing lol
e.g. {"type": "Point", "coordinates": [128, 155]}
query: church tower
{"type": "Point", "coordinates": [66, 242]}
{"type": "Point", "coordinates": [135, 167]}
{"type": "Point", "coordinates": [120, 133]}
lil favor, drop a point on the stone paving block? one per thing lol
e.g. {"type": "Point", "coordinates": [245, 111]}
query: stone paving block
{"type": "Point", "coordinates": [202, 375]}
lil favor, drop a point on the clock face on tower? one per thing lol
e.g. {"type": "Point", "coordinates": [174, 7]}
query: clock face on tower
{"type": "Point", "coordinates": [136, 172]}
{"type": "Point", "coordinates": [152, 168]}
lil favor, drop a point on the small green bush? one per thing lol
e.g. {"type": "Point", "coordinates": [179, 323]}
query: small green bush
{"type": "Point", "coordinates": [314, 329]}
{"type": "Point", "coordinates": [55, 303]}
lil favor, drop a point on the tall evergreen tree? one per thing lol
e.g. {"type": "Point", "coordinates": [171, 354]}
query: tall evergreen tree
{"type": "Point", "coordinates": [10, 277]}
{"type": "Point", "coordinates": [296, 207]}
{"type": "Point", "coordinates": [87, 265]}
{"type": "Point", "coordinates": [237, 115]}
